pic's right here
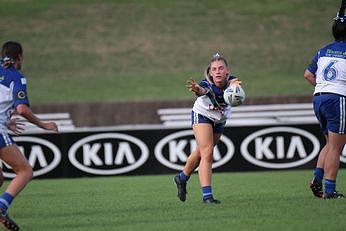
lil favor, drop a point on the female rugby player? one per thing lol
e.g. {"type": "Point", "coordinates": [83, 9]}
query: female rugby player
{"type": "Point", "coordinates": [13, 99]}
{"type": "Point", "coordinates": [209, 115]}
{"type": "Point", "coordinates": [327, 72]}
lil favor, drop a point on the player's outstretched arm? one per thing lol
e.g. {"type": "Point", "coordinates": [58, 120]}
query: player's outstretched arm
{"type": "Point", "coordinates": [25, 111]}
{"type": "Point", "coordinates": [193, 86]}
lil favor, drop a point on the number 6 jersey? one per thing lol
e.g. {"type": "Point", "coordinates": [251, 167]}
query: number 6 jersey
{"type": "Point", "coordinates": [329, 67]}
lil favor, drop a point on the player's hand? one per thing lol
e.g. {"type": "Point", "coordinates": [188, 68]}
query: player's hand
{"type": "Point", "coordinates": [16, 127]}
{"type": "Point", "coordinates": [50, 126]}
{"type": "Point", "coordinates": [193, 86]}
{"type": "Point", "coordinates": [235, 81]}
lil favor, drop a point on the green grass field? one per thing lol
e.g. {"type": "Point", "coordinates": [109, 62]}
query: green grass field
{"type": "Point", "coordinates": [119, 50]}
{"type": "Point", "coordinates": [278, 200]}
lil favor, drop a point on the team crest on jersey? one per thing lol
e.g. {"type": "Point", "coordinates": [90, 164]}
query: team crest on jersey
{"type": "Point", "coordinates": [2, 77]}
{"type": "Point", "coordinates": [21, 95]}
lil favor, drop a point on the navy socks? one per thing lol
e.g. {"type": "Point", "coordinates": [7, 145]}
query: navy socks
{"type": "Point", "coordinates": [184, 177]}
{"type": "Point", "coordinates": [5, 201]}
{"type": "Point", "coordinates": [207, 192]}
{"type": "Point", "coordinates": [329, 186]}
{"type": "Point", "coordinates": [318, 175]}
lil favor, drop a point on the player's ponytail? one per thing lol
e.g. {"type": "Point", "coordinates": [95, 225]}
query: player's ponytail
{"type": "Point", "coordinates": [341, 14]}
{"type": "Point", "coordinates": [339, 25]}
{"type": "Point", "coordinates": [6, 62]}
{"type": "Point", "coordinates": [10, 53]}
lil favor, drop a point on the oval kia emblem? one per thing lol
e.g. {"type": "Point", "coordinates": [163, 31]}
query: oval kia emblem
{"type": "Point", "coordinates": [108, 154]}
{"type": "Point", "coordinates": [280, 147]}
{"type": "Point", "coordinates": [174, 149]}
{"type": "Point", "coordinates": [42, 155]}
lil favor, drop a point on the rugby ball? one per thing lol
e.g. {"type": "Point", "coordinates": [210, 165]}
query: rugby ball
{"type": "Point", "coordinates": [234, 95]}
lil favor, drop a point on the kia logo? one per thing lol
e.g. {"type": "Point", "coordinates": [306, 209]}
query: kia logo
{"type": "Point", "coordinates": [108, 154]}
{"type": "Point", "coordinates": [280, 147]}
{"type": "Point", "coordinates": [173, 150]}
{"type": "Point", "coordinates": [42, 155]}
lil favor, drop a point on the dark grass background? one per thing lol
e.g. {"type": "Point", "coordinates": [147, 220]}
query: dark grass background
{"type": "Point", "coordinates": [83, 51]}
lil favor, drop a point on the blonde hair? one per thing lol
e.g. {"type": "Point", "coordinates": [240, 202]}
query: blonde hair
{"type": "Point", "coordinates": [215, 57]}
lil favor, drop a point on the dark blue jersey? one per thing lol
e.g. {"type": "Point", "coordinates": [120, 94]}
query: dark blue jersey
{"type": "Point", "coordinates": [12, 93]}
{"type": "Point", "coordinates": [215, 93]}
{"type": "Point", "coordinates": [212, 105]}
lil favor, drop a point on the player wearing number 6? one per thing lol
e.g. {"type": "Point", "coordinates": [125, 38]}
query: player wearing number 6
{"type": "Point", "coordinates": [327, 72]}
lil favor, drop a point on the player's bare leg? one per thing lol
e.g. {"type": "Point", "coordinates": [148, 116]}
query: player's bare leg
{"type": "Point", "coordinates": [336, 143]}
{"type": "Point", "coordinates": [205, 142]}
{"type": "Point", "coordinates": [13, 157]}
{"type": "Point", "coordinates": [316, 182]}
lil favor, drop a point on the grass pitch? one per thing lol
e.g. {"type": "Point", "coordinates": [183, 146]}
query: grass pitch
{"type": "Point", "coordinates": [275, 200]}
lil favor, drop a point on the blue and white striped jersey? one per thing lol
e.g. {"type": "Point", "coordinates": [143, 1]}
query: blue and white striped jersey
{"type": "Point", "coordinates": [329, 67]}
{"type": "Point", "coordinates": [12, 93]}
{"type": "Point", "coordinates": [212, 105]}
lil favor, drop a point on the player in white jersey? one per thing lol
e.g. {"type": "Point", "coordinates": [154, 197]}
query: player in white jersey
{"type": "Point", "coordinates": [209, 115]}
{"type": "Point", "coordinates": [13, 99]}
{"type": "Point", "coordinates": [327, 72]}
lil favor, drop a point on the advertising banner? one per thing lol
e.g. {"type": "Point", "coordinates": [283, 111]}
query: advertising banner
{"type": "Point", "coordinates": [109, 152]}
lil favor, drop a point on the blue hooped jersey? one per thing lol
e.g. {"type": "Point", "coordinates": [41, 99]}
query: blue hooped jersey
{"type": "Point", "coordinates": [212, 105]}
{"type": "Point", "coordinates": [12, 93]}
{"type": "Point", "coordinates": [329, 67]}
